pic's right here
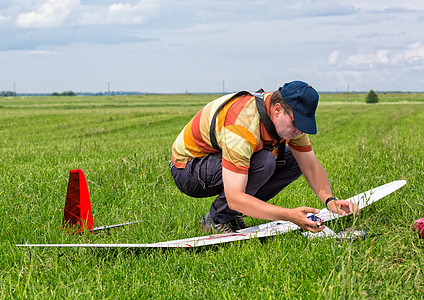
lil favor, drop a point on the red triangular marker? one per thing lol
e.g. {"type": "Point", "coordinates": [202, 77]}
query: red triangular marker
{"type": "Point", "coordinates": [77, 216]}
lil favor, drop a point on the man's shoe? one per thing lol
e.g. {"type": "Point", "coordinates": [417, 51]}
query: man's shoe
{"type": "Point", "coordinates": [208, 223]}
{"type": "Point", "coordinates": [238, 223]}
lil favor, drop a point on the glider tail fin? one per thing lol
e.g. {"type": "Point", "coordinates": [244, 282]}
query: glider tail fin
{"type": "Point", "coordinates": [77, 215]}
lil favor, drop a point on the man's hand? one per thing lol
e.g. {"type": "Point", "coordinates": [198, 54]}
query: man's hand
{"type": "Point", "coordinates": [343, 207]}
{"type": "Point", "coordinates": [299, 217]}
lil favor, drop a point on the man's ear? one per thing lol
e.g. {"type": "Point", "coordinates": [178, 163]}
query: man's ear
{"type": "Point", "coordinates": [277, 109]}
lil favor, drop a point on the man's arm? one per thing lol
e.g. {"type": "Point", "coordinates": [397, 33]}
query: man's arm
{"type": "Point", "coordinates": [238, 200]}
{"type": "Point", "coordinates": [317, 179]}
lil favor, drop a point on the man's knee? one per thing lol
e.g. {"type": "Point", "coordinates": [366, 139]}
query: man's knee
{"type": "Point", "coordinates": [263, 160]}
{"type": "Point", "coordinates": [201, 177]}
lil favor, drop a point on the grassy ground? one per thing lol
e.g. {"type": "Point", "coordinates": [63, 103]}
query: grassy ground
{"type": "Point", "coordinates": [123, 146]}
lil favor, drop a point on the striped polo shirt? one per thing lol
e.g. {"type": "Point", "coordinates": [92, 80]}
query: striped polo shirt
{"type": "Point", "coordinates": [239, 132]}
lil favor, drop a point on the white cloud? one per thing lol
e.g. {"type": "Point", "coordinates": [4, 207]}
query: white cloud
{"type": "Point", "coordinates": [120, 7]}
{"type": "Point", "coordinates": [414, 54]}
{"type": "Point", "coordinates": [3, 18]}
{"type": "Point", "coordinates": [384, 69]}
{"type": "Point", "coordinates": [52, 13]}
{"type": "Point", "coordinates": [411, 58]}
{"type": "Point", "coordinates": [120, 13]}
{"type": "Point", "coordinates": [380, 58]}
{"type": "Point", "coordinates": [125, 13]}
{"type": "Point", "coordinates": [41, 52]}
{"type": "Point", "coordinates": [333, 58]}
{"type": "Point", "coordinates": [389, 4]}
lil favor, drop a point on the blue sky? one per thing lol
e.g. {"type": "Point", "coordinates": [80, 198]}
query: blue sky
{"type": "Point", "coordinates": [193, 46]}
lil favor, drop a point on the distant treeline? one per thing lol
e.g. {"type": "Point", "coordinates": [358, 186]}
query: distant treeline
{"type": "Point", "coordinates": [6, 94]}
{"type": "Point", "coordinates": [71, 93]}
{"type": "Point", "coordinates": [66, 93]}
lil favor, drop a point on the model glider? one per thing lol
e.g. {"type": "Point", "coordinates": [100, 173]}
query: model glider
{"type": "Point", "coordinates": [78, 216]}
{"type": "Point", "coordinates": [260, 231]}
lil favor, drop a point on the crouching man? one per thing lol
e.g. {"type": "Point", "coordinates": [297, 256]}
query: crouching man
{"type": "Point", "coordinates": [247, 147]}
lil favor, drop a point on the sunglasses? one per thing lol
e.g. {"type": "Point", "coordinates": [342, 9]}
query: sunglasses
{"type": "Point", "coordinates": [290, 114]}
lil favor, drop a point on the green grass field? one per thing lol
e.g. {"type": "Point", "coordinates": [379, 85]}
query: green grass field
{"type": "Point", "coordinates": [123, 145]}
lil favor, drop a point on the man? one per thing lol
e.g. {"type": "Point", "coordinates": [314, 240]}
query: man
{"type": "Point", "coordinates": [246, 148]}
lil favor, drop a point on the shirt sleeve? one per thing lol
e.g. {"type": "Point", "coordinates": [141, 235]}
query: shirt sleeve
{"type": "Point", "coordinates": [301, 143]}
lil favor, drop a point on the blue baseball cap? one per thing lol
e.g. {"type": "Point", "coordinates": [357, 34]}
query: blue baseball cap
{"type": "Point", "coordinates": [303, 99]}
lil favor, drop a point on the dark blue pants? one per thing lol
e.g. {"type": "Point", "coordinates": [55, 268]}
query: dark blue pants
{"type": "Point", "coordinates": [202, 177]}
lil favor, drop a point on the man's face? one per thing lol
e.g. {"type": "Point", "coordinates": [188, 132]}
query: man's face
{"type": "Point", "coordinates": [284, 123]}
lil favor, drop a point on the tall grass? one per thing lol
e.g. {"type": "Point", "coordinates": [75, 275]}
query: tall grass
{"type": "Point", "coordinates": [123, 146]}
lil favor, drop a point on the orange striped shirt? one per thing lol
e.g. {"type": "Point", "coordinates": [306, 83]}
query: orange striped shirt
{"type": "Point", "coordinates": [239, 132]}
